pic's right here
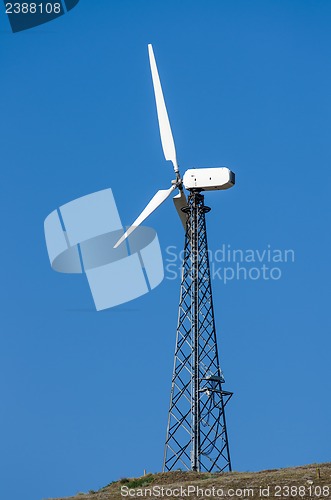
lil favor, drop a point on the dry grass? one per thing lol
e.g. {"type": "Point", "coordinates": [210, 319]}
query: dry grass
{"type": "Point", "coordinates": [311, 479]}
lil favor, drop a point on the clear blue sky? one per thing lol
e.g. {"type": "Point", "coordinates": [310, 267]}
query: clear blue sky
{"type": "Point", "coordinates": [84, 395]}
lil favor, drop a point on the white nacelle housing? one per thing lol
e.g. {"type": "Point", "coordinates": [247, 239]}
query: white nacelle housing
{"type": "Point", "coordinates": [209, 179]}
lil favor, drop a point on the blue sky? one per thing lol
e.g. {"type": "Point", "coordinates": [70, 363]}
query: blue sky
{"type": "Point", "coordinates": [84, 395]}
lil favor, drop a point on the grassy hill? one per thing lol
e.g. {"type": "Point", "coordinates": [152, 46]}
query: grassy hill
{"type": "Point", "coordinates": [309, 482]}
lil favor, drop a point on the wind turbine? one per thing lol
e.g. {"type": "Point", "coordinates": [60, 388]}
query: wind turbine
{"type": "Point", "coordinates": [196, 432]}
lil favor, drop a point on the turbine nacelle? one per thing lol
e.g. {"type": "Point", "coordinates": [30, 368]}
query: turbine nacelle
{"type": "Point", "coordinates": [209, 179]}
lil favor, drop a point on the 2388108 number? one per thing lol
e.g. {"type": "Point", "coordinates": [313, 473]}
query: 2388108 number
{"type": "Point", "coordinates": [33, 8]}
{"type": "Point", "coordinates": [302, 491]}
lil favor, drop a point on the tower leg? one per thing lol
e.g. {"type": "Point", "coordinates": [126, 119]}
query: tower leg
{"type": "Point", "coordinates": [197, 436]}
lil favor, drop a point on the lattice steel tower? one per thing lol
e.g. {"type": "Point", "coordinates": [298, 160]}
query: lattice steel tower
{"type": "Point", "coordinates": [196, 434]}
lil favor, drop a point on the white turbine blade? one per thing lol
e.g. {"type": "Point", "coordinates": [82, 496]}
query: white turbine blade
{"type": "Point", "coordinates": [165, 129]}
{"type": "Point", "coordinates": [155, 202]}
{"type": "Point", "coordinates": [180, 202]}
